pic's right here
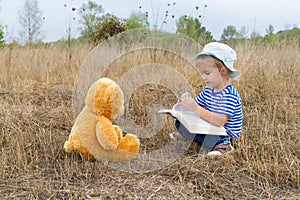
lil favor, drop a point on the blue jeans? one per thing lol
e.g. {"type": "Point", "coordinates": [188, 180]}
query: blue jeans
{"type": "Point", "coordinates": [209, 141]}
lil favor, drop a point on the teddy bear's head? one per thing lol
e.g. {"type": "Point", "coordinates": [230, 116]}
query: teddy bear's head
{"type": "Point", "coordinates": [105, 98]}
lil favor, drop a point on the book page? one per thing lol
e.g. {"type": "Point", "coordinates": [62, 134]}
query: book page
{"type": "Point", "coordinates": [193, 122]}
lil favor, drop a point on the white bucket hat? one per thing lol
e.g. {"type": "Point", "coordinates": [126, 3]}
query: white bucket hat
{"type": "Point", "coordinates": [222, 52]}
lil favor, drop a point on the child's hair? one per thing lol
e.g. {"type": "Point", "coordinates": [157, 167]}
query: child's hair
{"type": "Point", "coordinates": [219, 64]}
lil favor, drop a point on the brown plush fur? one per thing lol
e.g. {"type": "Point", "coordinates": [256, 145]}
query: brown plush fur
{"type": "Point", "coordinates": [93, 135]}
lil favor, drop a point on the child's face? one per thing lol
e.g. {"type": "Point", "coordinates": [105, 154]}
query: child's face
{"type": "Point", "coordinates": [210, 73]}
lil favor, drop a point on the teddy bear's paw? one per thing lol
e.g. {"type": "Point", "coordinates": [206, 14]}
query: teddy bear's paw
{"type": "Point", "coordinates": [130, 143]}
{"type": "Point", "coordinates": [68, 146]}
{"type": "Point", "coordinates": [74, 144]}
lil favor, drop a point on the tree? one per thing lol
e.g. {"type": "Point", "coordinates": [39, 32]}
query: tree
{"type": "Point", "coordinates": [91, 15]}
{"type": "Point", "coordinates": [255, 35]}
{"type": "Point", "coordinates": [270, 30]}
{"type": "Point", "coordinates": [229, 33]}
{"type": "Point", "coordinates": [30, 19]}
{"type": "Point", "coordinates": [97, 26]}
{"type": "Point", "coordinates": [110, 25]}
{"type": "Point", "coordinates": [271, 38]}
{"type": "Point", "coordinates": [2, 42]}
{"type": "Point", "coordinates": [242, 33]}
{"type": "Point", "coordinates": [292, 35]}
{"type": "Point", "coordinates": [137, 20]}
{"type": "Point", "coordinates": [193, 28]}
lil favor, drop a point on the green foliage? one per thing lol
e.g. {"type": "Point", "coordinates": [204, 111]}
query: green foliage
{"type": "Point", "coordinates": [193, 28]}
{"type": "Point", "coordinates": [97, 26]}
{"type": "Point", "coordinates": [270, 30]}
{"type": "Point", "coordinates": [270, 37]}
{"type": "Point", "coordinates": [137, 20]}
{"type": "Point", "coordinates": [242, 33]}
{"type": "Point", "coordinates": [2, 42]}
{"type": "Point", "coordinates": [66, 43]}
{"type": "Point", "coordinates": [256, 143]}
{"type": "Point", "coordinates": [110, 25]}
{"type": "Point", "coordinates": [91, 15]}
{"type": "Point", "coordinates": [290, 36]}
{"type": "Point", "coordinates": [229, 33]}
{"type": "Point", "coordinates": [254, 35]}
{"type": "Point", "coordinates": [232, 35]}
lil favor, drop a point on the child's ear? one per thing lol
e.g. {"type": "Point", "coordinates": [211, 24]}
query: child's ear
{"type": "Point", "coordinates": [224, 71]}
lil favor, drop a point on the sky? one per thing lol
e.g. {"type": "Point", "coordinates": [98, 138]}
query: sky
{"type": "Point", "coordinates": [254, 15]}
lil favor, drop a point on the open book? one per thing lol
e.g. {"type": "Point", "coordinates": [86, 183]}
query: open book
{"type": "Point", "coordinates": [193, 122]}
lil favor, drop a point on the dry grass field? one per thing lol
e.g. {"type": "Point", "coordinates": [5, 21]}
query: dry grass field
{"type": "Point", "coordinates": [36, 86]}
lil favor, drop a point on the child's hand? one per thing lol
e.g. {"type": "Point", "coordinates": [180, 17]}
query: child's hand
{"type": "Point", "coordinates": [188, 101]}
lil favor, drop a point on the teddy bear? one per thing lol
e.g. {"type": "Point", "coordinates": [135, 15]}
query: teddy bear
{"type": "Point", "coordinates": [93, 135]}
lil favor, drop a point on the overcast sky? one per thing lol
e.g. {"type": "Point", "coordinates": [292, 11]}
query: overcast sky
{"type": "Point", "coordinates": [255, 15]}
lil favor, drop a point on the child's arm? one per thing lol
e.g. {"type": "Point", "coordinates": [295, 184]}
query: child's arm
{"type": "Point", "coordinates": [211, 117]}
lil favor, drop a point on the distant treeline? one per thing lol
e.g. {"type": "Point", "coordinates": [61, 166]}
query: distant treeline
{"type": "Point", "coordinates": [96, 26]}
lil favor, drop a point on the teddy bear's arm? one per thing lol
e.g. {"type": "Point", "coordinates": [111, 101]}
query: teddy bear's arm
{"type": "Point", "coordinates": [106, 134]}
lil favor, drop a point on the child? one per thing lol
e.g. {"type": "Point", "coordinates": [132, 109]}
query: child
{"type": "Point", "coordinates": [219, 102]}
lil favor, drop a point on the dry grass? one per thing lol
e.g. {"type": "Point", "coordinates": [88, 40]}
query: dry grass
{"type": "Point", "coordinates": [36, 117]}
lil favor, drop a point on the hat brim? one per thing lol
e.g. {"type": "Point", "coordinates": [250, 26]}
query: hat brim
{"type": "Point", "coordinates": [234, 71]}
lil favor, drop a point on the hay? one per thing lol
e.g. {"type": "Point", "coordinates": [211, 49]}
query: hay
{"type": "Point", "coordinates": [36, 118]}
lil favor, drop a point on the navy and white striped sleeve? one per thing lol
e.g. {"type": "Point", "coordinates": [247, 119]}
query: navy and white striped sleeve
{"type": "Point", "coordinates": [201, 98]}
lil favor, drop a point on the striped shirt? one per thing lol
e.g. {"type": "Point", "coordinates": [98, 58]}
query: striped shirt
{"type": "Point", "coordinates": [226, 102]}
